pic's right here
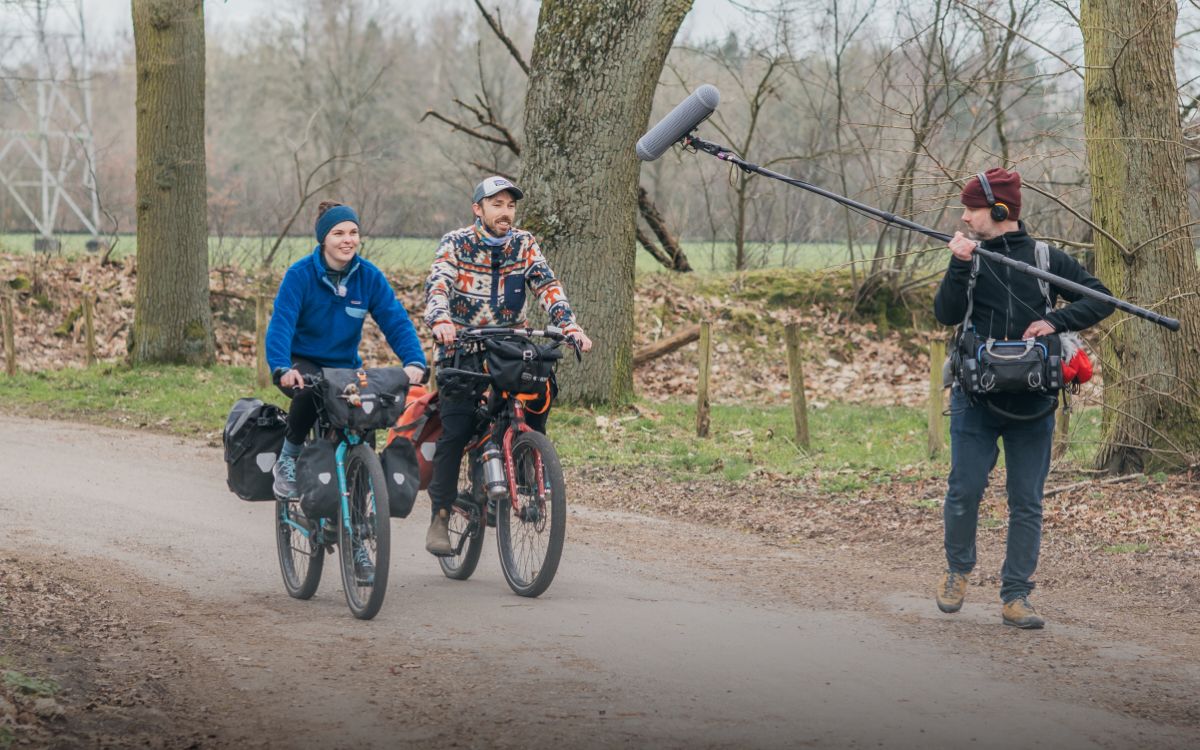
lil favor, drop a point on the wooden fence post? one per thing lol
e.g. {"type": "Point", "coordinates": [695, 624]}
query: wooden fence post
{"type": "Point", "coordinates": [261, 317]}
{"type": "Point", "coordinates": [1062, 434]}
{"type": "Point", "coordinates": [702, 401]}
{"type": "Point", "coordinates": [89, 326]}
{"type": "Point", "coordinates": [796, 380]}
{"type": "Point", "coordinates": [10, 343]}
{"type": "Point", "coordinates": [937, 358]}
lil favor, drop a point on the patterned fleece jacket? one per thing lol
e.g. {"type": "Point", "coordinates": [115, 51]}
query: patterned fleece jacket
{"type": "Point", "coordinates": [473, 283]}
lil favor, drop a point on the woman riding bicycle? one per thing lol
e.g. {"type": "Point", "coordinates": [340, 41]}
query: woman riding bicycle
{"type": "Point", "coordinates": [317, 322]}
{"type": "Point", "coordinates": [478, 278]}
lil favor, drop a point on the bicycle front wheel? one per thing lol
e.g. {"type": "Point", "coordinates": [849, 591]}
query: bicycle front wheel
{"type": "Point", "coordinates": [365, 543]}
{"type": "Point", "coordinates": [531, 534]}
{"type": "Point", "coordinates": [300, 560]}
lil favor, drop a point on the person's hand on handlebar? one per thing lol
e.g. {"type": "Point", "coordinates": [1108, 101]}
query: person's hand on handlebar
{"type": "Point", "coordinates": [585, 344]}
{"type": "Point", "coordinates": [415, 374]}
{"type": "Point", "coordinates": [292, 379]}
{"type": "Point", "coordinates": [444, 333]}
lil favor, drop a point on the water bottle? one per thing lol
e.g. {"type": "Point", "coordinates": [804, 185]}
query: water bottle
{"type": "Point", "coordinates": [494, 480]}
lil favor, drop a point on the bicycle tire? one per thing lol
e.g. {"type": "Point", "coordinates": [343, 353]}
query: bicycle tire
{"type": "Point", "coordinates": [529, 562]}
{"type": "Point", "coordinates": [370, 525]}
{"type": "Point", "coordinates": [299, 562]}
{"type": "Point", "coordinates": [465, 514]}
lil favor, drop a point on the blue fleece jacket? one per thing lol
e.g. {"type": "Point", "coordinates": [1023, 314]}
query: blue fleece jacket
{"type": "Point", "coordinates": [312, 321]}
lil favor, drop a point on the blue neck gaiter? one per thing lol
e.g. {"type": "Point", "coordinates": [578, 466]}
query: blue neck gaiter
{"type": "Point", "coordinates": [488, 238]}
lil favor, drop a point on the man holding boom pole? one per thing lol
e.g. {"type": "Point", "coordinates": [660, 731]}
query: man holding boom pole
{"type": "Point", "coordinates": [994, 304]}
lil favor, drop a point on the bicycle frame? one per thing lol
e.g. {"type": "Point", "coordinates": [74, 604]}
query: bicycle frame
{"type": "Point", "coordinates": [348, 440]}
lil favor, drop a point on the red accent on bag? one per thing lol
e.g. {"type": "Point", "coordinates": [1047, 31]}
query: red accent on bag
{"type": "Point", "coordinates": [420, 425]}
{"type": "Point", "coordinates": [1079, 369]}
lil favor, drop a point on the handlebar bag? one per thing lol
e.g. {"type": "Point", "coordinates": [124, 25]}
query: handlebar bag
{"type": "Point", "coordinates": [316, 479]}
{"type": "Point", "coordinates": [520, 366]}
{"type": "Point", "coordinates": [363, 399]}
{"type": "Point", "coordinates": [252, 438]}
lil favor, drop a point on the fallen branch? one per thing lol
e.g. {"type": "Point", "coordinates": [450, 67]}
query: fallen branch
{"type": "Point", "coordinates": [665, 346]}
{"type": "Point", "coordinates": [1090, 482]}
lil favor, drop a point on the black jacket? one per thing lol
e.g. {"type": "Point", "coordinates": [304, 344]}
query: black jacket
{"type": "Point", "coordinates": [1007, 301]}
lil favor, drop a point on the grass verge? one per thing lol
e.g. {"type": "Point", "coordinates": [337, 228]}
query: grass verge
{"type": "Point", "coordinates": [852, 447]}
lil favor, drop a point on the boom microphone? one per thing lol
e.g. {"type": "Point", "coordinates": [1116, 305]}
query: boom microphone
{"type": "Point", "coordinates": [679, 122]}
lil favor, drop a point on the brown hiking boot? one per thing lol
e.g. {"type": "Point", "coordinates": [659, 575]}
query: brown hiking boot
{"type": "Point", "coordinates": [1020, 614]}
{"type": "Point", "coordinates": [951, 591]}
{"type": "Point", "coordinates": [437, 539]}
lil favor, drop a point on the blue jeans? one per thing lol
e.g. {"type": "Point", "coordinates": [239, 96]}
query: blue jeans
{"type": "Point", "coordinates": [974, 432]}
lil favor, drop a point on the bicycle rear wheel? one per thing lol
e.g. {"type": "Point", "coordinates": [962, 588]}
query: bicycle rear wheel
{"type": "Point", "coordinates": [300, 561]}
{"type": "Point", "coordinates": [364, 545]}
{"type": "Point", "coordinates": [466, 524]}
{"type": "Point", "coordinates": [531, 535]}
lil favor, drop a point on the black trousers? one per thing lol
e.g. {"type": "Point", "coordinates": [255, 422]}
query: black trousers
{"type": "Point", "coordinates": [303, 413]}
{"type": "Point", "coordinates": [458, 427]}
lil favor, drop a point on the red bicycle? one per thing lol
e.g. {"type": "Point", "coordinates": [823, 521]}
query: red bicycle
{"type": "Point", "coordinates": [511, 476]}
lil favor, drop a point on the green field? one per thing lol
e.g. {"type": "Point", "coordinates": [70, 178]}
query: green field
{"type": "Point", "coordinates": [417, 252]}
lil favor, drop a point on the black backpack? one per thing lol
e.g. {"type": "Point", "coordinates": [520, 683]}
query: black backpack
{"type": "Point", "coordinates": [253, 438]}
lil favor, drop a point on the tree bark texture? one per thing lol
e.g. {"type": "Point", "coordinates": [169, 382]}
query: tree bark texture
{"type": "Point", "coordinates": [593, 72]}
{"type": "Point", "coordinates": [1136, 159]}
{"type": "Point", "coordinates": [172, 317]}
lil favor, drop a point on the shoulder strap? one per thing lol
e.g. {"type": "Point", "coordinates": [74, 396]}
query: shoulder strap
{"type": "Point", "coordinates": [1041, 253]}
{"type": "Point", "coordinates": [971, 291]}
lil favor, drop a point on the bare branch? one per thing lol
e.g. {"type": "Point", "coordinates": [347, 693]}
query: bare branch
{"type": "Point", "coordinates": [498, 30]}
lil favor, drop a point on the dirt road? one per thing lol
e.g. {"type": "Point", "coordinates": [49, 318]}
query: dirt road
{"type": "Point", "coordinates": [654, 634]}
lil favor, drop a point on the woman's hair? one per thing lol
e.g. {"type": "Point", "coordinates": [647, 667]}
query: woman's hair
{"type": "Point", "coordinates": [325, 206]}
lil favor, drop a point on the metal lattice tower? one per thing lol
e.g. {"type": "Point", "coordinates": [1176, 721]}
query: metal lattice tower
{"type": "Point", "coordinates": [47, 153]}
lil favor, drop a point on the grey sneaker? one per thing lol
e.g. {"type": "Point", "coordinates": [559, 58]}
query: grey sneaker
{"type": "Point", "coordinates": [285, 478]}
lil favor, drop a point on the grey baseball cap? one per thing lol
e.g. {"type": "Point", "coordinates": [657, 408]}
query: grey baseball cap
{"type": "Point", "coordinates": [495, 184]}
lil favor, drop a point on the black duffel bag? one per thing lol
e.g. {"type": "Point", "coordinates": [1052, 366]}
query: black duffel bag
{"type": "Point", "coordinates": [402, 476]}
{"type": "Point", "coordinates": [316, 479]}
{"type": "Point", "coordinates": [518, 365]}
{"type": "Point", "coordinates": [253, 438]}
{"type": "Point", "coordinates": [363, 399]}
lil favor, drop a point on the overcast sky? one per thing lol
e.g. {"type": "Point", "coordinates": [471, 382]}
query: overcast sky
{"type": "Point", "coordinates": [106, 18]}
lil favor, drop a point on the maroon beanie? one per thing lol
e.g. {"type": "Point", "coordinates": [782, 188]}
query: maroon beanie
{"type": "Point", "coordinates": [1006, 188]}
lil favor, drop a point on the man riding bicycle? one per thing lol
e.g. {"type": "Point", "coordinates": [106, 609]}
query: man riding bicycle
{"type": "Point", "coordinates": [479, 277]}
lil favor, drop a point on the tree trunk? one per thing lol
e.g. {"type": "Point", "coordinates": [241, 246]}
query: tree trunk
{"type": "Point", "coordinates": [1135, 156]}
{"type": "Point", "coordinates": [172, 317]}
{"type": "Point", "coordinates": [593, 71]}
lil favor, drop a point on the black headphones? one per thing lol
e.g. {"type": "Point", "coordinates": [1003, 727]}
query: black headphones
{"type": "Point", "coordinates": [999, 210]}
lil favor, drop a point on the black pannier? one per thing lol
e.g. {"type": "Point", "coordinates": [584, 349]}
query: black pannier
{"type": "Point", "coordinates": [520, 366]}
{"type": "Point", "coordinates": [363, 399]}
{"type": "Point", "coordinates": [316, 479]}
{"type": "Point", "coordinates": [253, 438]}
{"type": "Point", "coordinates": [402, 476]}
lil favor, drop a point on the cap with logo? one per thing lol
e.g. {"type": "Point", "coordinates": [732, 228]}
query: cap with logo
{"type": "Point", "coordinates": [496, 184]}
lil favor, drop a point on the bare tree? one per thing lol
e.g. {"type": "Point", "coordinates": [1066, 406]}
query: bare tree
{"type": "Point", "coordinates": [1136, 159]}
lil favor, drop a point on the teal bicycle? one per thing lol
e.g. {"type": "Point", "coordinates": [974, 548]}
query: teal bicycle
{"type": "Point", "coordinates": [361, 533]}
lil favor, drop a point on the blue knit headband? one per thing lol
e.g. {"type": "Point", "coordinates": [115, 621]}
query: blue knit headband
{"type": "Point", "coordinates": [331, 219]}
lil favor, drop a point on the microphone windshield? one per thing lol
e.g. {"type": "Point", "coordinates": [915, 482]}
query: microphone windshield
{"type": "Point", "coordinates": [679, 122]}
